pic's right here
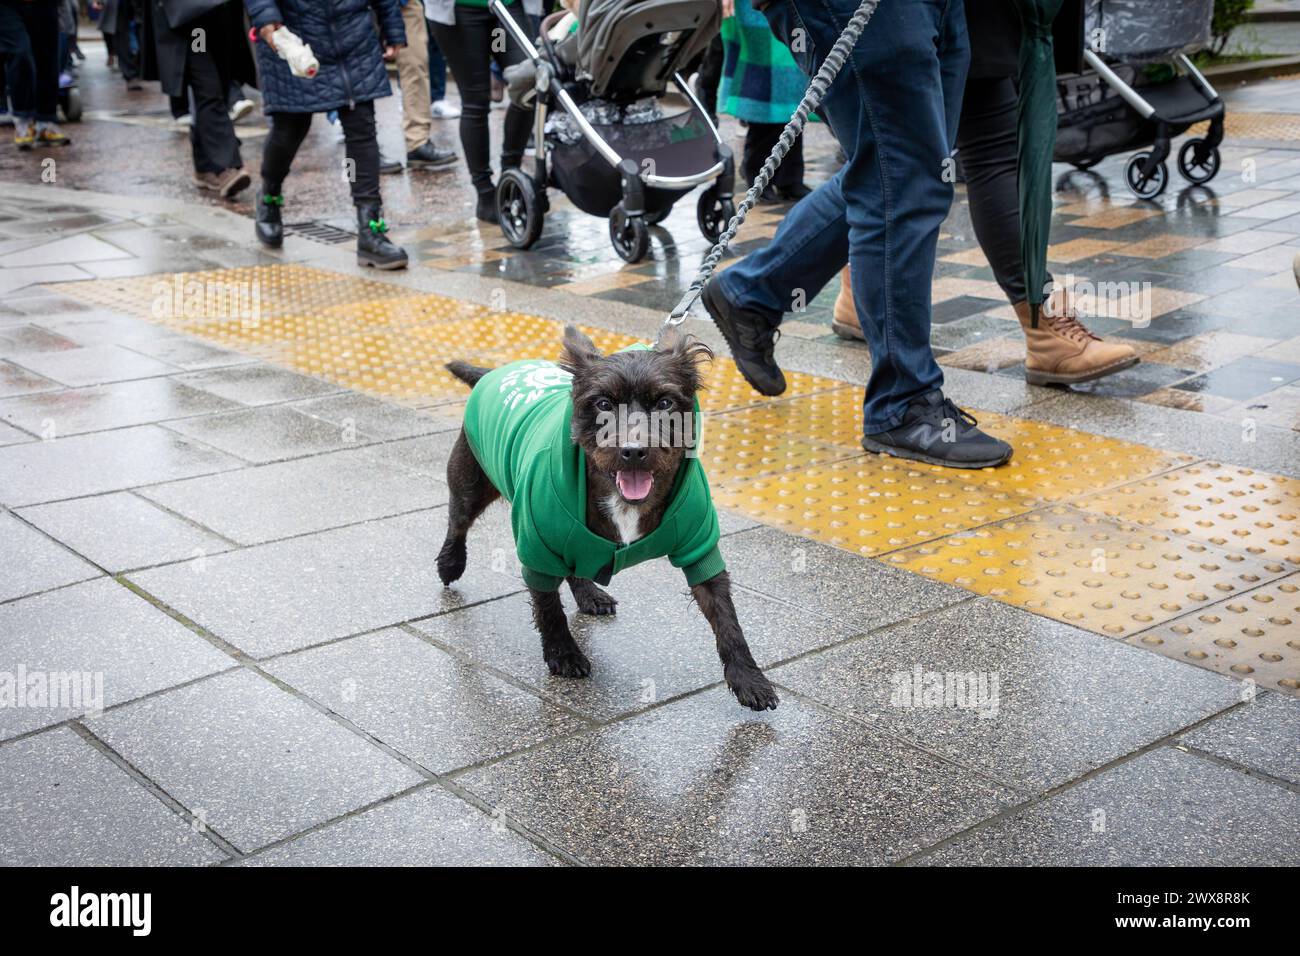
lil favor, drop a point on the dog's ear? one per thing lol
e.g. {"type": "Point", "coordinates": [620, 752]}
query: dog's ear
{"type": "Point", "coordinates": [687, 354]}
{"type": "Point", "coordinates": [579, 351]}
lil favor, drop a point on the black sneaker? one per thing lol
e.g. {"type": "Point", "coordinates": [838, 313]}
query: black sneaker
{"type": "Point", "coordinates": [936, 431]}
{"type": "Point", "coordinates": [486, 207]}
{"type": "Point", "coordinates": [388, 166]}
{"type": "Point", "coordinates": [752, 339]}
{"type": "Point", "coordinates": [427, 155]}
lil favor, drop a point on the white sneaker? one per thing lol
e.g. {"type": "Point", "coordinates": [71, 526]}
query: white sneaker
{"type": "Point", "coordinates": [241, 109]}
{"type": "Point", "coordinates": [443, 109]}
{"type": "Point", "coordinates": [185, 121]}
{"type": "Point", "coordinates": [6, 118]}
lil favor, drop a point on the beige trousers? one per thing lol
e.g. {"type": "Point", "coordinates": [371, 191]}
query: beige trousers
{"type": "Point", "coordinates": [413, 74]}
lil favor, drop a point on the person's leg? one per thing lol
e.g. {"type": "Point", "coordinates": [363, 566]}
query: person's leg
{"type": "Point", "coordinates": [288, 130]}
{"type": "Point", "coordinates": [1059, 350]}
{"type": "Point", "coordinates": [362, 144]}
{"type": "Point", "coordinates": [16, 48]}
{"type": "Point", "coordinates": [519, 121]}
{"type": "Point", "coordinates": [709, 76]}
{"type": "Point", "coordinates": [42, 23]}
{"type": "Point", "coordinates": [124, 40]}
{"type": "Point", "coordinates": [467, 48]}
{"type": "Point", "coordinates": [212, 136]}
{"type": "Point", "coordinates": [437, 69]}
{"type": "Point", "coordinates": [413, 74]}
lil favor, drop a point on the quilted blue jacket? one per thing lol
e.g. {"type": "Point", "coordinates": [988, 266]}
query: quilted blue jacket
{"type": "Point", "coordinates": [341, 33]}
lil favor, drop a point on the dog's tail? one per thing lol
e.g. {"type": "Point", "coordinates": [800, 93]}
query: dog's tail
{"type": "Point", "coordinates": [469, 374]}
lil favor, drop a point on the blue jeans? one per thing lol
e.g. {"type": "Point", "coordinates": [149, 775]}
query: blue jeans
{"type": "Point", "coordinates": [894, 109]}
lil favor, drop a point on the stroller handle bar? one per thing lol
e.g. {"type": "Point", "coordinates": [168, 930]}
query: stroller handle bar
{"type": "Point", "coordinates": [606, 151]}
{"type": "Point", "coordinates": [1132, 96]}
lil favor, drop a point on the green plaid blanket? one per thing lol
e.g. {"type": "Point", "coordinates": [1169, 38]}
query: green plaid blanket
{"type": "Point", "coordinates": [760, 81]}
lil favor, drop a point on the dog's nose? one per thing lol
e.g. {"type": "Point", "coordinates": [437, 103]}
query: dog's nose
{"type": "Point", "coordinates": [633, 455]}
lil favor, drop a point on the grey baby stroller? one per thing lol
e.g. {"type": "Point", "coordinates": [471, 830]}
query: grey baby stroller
{"type": "Point", "coordinates": [609, 133]}
{"type": "Point", "coordinates": [1113, 105]}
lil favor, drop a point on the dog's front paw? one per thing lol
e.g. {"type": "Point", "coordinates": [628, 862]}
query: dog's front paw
{"type": "Point", "coordinates": [754, 691]}
{"type": "Point", "coordinates": [568, 662]}
{"type": "Point", "coordinates": [595, 600]}
{"type": "Point", "coordinates": [451, 563]}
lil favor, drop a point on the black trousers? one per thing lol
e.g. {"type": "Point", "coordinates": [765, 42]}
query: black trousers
{"type": "Point", "coordinates": [29, 41]}
{"type": "Point", "coordinates": [470, 50]}
{"type": "Point", "coordinates": [127, 62]}
{"type": "Point", "coordinates": [709, 77]}
{"type": "Point", "coordinates": [759, 140]}
{"type": "Point", "coordinates": [986, 144]}
{"type": "Point", "coordinates": [288, 131]}
{"type": "Point", "coordinates": [212, 136]}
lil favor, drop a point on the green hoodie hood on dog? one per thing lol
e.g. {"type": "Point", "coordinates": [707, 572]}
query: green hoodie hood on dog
{"type": "Point", "coordinates": [517, 422]}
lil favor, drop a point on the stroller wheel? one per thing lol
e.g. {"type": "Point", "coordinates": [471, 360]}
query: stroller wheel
{"type": "Point", "coordinates": [70, 100]}
{"type": "Point", "coordinates": [713, 214]}
{"type": "Point", "coordinates": [1145, 187]}
{"type": "Point", "coordinates": [519, 208]}
{"type": "Point", "coordinates": [629, 234]}
{"type": "Point", "coordinates": [1197, 161]}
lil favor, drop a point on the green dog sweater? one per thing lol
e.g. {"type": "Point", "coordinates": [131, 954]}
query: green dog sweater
{"type": "Point", "coordinates": [517, 422]}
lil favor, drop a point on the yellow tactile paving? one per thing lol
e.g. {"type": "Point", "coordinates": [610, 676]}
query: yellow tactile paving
{"type": "Point", "coordinates": [1233, 508]}
{"type": "Point", "coordinates": [871, 504]}
{"type": "Point", "coordinates": [1087, 570]}
{"type": "Point", "coordinates": [1239, 124]}
{"type": "Point", "coordinates": [1254, 635]}
{"type": "Point", "coordinates": [1125, 540]}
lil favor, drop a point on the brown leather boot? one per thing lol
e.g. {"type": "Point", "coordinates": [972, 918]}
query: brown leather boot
{"type": "Point", "coordinates": [844, 317]}
{"type": "Point", "coordinates": [1061, 351]}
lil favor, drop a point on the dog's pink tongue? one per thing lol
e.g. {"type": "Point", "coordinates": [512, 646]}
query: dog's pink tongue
{"type": "Point", "coordinates": [634, 484]}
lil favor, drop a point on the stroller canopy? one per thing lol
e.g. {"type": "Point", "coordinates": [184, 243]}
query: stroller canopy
{"type": "Point", "coordinates": [632, 47]}
{"type": "Point", "coordinates": [1137, 31]}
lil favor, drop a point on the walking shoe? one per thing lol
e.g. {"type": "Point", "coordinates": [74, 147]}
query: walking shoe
{"type": "Point", "coordinates": [373, 247]}
{"type": "Point", "coordinates": [793, 193]}
{"type": "Point", "coordinates": [184, 121]}
{"type": "Point", "coordinates": [206, 180]}
{"type": "Point", "coordinates": [752, 339]}
{"type": "Point", "coordinates": [232, 181]}
{"type": "Point", "coordinates": [1061, 351]}
{"type": "Point", "coordinates": [47, 134]}
{"type": "Point", "coordinates": [6, 118]}
{"type": "Point", "coordinates": [240, 109]}
{"type": "Point", "coordinates": [389, 166]}
{"type": "Point", "coordinates": [936, 431]}
{"type": "Point", "coordinates": [269, 226]}
{"type": "Point", "coordinates": [24, 133]}
{"type": "Point", "coordinates": [134, 86]}
{"type": "Point", "coordinates": [427, 155]}
{"type": "Point", "coordinates": [844, 316]}
{"type": "Point", "coordinates": [486, 210]}
{"type": "Point", "coordinates": [444, 109]}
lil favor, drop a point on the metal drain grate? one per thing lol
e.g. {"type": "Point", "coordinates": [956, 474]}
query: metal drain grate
{"type": "Point", "coordinates": [321, 232]}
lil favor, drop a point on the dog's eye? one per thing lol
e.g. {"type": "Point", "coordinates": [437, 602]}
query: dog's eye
{"type": "Point", "coordinates": [603, 405]}
{"type": "Point", "coordinates": [664, 404]}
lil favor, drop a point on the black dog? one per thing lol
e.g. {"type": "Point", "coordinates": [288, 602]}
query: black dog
{"type": "Point", "coordinates": [632, 480]}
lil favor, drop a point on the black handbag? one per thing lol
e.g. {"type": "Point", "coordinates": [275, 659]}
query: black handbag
{"type": "Point", "coordinates": [181, 12]}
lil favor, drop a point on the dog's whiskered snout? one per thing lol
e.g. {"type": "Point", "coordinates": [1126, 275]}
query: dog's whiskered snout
{"type": "Point", "coordinates": [633, 456]}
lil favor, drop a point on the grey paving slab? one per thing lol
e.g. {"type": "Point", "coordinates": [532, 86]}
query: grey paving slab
{"type": "Point", "coordinates": [288, 595]}
{"type": "Point", "coordinates": [12, 436]}
{"type": "Point", "coordinates": [187, 353]}
{"type": "Point", "coordinates": [93, 365]}
{"type": "Point", "coordinates": [259, 384]}
{"type": "Point", "coordinates": [425, 455]}
{"type": "Point", "coordinates": [1262, 735]}
{"type": "Point", "coordinates": [378, 419]}
{"type": "Point", "coordinates": [78, 465]}
{"type": "Point", "coordinates": [15, 380]}
{"type": "Point", "coordinates": [120, 531]}
{"type": "Point", "coordinates": [250, 760]}
{"type": "Point", "coordinates": [658, 645]}
{"type": "Point", "coordinates": [1164, 808]}
{"type": "Point", "coordinates": [288, 498]}
{"type": "Point", "coordinates": [428, 828]}
{"type": "Point", "coordinates": [1065, 702]}
{"type": "Point", "coordinates": [31, 562]}
{"type": "Point", "coordinates": [122, 404]}
{"type": "Point", "coordinates": [267, 434]}
{"type": "Point", "coordinates": [1205, 436]}
{"type": "Point", "coordinates": [95, 639]}
{"type": "Point", "coordinates": [731, 522]}
{"type": "Point", "coordinates": [422, 701]}
{"type": "Point", "coordinates": [702, 781]}
{"type": "Point", "coordinates": [18, 339]}
{"type": "Point", "coordinates": [832, 582]}
{"type": "Point", "coordinates": [66, 804]}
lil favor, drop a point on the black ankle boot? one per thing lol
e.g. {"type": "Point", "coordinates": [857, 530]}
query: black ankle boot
{"type": "Point", "coordinates": [270, 229]}
{"type": "Point", "coordinates": [487, 206]}
{"type": "Point", "coordinates": [373, 247]}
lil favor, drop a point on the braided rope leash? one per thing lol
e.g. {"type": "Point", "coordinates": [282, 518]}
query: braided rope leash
{"type": "Point", "coordinates": [812, 99]}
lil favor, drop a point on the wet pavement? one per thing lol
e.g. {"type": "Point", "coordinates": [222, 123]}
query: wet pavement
{"type": "Point", "coordinates": [221, 474]}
